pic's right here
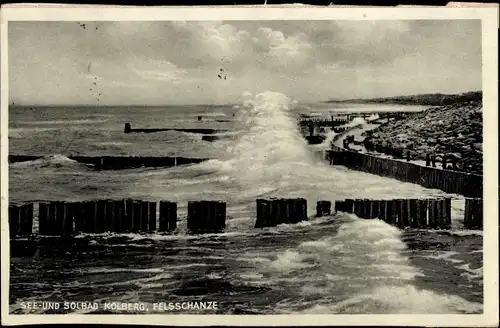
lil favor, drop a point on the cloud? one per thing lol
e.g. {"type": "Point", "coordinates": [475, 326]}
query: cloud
{"type": "Point", "coordinates": [216, 61]}
{"type": "Point", "coordinates": [158, 70]}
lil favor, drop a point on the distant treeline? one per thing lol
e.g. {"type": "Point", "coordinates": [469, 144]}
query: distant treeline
{"type": "Point", "coordinates": [432, 99]}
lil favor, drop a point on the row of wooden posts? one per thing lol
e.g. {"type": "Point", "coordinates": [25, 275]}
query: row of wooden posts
{"type": "Point", "coordinates": [452, 182]}
{"type": "Point", "coordinates": [134, 216]}
{"type": "Point", "coordinates": [271, 212]}
{"type": "Point", "coordinates": [412, 213]}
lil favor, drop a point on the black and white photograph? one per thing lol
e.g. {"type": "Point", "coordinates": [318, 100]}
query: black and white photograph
{"type": "Point", "coordinates": [246, 167]}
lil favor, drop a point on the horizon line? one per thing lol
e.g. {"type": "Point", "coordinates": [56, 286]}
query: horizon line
{"type": "Point", "coordinates": [237, 104]}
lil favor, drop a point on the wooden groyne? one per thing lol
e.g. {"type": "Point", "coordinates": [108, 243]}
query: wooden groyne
{"type": "Point", "coordinates": [473, 218]}
{"type": "Point", "coordinates": [271, 212]}
{"type": "Point", "coordinates": [402, 213]}
{"type": "Point", "coordinates": [449, 181]}
{"type": "Point", "coordinates": [119, 162]}
{"type": "Point", "coordinates": [206, 216]}
{"type": "Point", "coordinates": [128, 129]}
{"type": "Point", "coordinates": [59, 222]}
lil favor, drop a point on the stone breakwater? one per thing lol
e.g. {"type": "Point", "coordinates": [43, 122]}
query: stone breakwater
{"type": "Point", "coordinates": [455, 130]}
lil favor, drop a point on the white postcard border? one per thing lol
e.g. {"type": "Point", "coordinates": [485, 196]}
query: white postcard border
{"type": "Point", "coordinates": [489, 17]}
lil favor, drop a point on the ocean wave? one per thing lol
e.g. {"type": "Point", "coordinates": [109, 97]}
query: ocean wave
{"type": "Point", "coordinates": [471, 273]}
{"type": "Point", "coordinates": [116, 270]}
{"type": "Point", "coordinates": [462, 233]}
{"type": "Point", "coordinates": [51, 161]}
{"type": "Point", "coordinates": [207, 114]}
{"type": "Point", "coordinates": [399, 300]}
{"type": "Point", "coordinates": [65, 122]}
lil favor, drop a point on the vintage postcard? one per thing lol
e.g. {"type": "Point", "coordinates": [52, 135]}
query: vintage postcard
{"type": "Point", "coordinates": [250, 166]}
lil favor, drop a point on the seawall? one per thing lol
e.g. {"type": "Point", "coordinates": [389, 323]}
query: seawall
{"type": "Point", "coordinates": [449, 181]}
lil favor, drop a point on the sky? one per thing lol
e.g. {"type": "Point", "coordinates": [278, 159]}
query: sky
{"type": "Point", "coordinates": [217, 62]}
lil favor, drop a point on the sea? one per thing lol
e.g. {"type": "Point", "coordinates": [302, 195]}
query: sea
{"type": "Point", "coordinates": [338, 264]}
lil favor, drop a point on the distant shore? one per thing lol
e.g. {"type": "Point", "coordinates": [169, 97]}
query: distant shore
{"type": "Point", "coordinates": [434, 99]}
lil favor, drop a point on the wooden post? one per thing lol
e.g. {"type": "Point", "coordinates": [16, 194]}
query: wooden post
{"type": "Point", "coordinates": [390, 214]}
{"type": "Point", "coordinates": [129, 216]}
{"type": "Point", "coordinates": [396, 209]}
{"type": "Point", "coordinates": [323, 208]}
{"type": "Point", "coordinates": [14, 218]}
{"type": "Point", "coordinates": [168, 216]}
{"type": "Point", "coordinates": [349, 204]}
{"type": "Point", "coordinates": [220, 216]}
{"type": "Point", "coordinates": [68, 218]}
{"type": "Point", "coordinates": [93, 222]}
{"type": "Point", "coordinates": [422, 213]}
{"type": "Point", "coordinates": [301, 209]}
{"type": "Point", "coordinates": [339, 206]}
{"type": "Point", "coordinates": [84, 216]}
{"type": "Point", "coordinates": [30, 218]}
{"type": "Point", "coordinates": [446, 213]}
{"type": "Point", "coordinates": [357, 207]}
{"type": "Point", "coordinates": [59, 218]}
{"type": "Point", "coordinates": [144, 216]}
{"type": "Point", "coordinates": [23, 221]}
{"type": "Point", "coordinates": [291, 212]}
{"type": "Point", "coordinates": [374, 209]}
{"type": "Point", "coordinates": [43, 212]}
{"type": "Point", "coordinates": [108, 215]}
{"type": "Point", "coordinates": [282, 205]}
{"type": "Point", "coordinates": [405, 212]}
{"type": "Point", "coordinates": [398, 203]}
{"type": "Point", "coordinates": [382, 210]}
{"type": "Point", "coordinates": [262, 213]}
{"type": "Point", "coordinates": [76, 210]}
{"type": "Point", "coordinates": [101, 216]}
{"type": "Point", "coordinates": [137, 216]}
{"type": "Point", "coordinates": [370, 209]}
{"type": "Point", "coordinates": [366, 208]}
{"type": "Point", "coordinates": [413, 204]}
{"type": "Point", "coordinates": [111, 220]}
{"type": "Point", "coordinates": [438, 210]}
{"type": "Point", "coordinates": [152, 217]}
{"type": "Point", "coordinates": [51, 220]}
{"type": "Point", "coordinates": [363, 208]}
{"type": "Point", "coordinates": [274, 213]}
{"type": "Point", "coordinates": [479, 217]}
{"type": "Point", "coordinates": [208, 216]}
{"type": "Point", "coordinates": [432, 214]}
{"type": "Point", "coordinates": [118, 224]}
{"type": "Point", "coordinates": [473, 213]}
{"type": "Point", "coordinates": [467, 214]}
{"type": "Point", "coordinates": [193, 217]}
